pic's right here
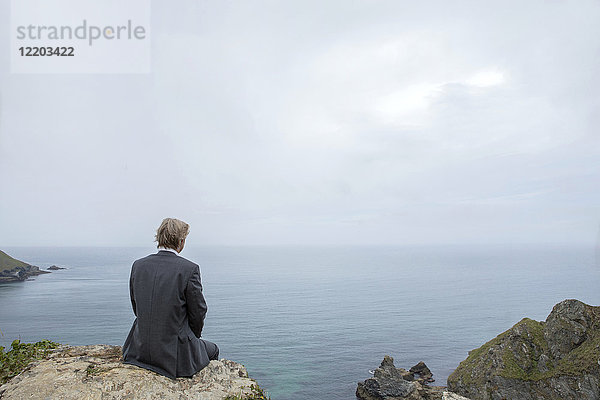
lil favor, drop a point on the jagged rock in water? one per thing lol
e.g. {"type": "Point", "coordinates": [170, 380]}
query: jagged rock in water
{"type": "Point", "coordinates": [422, 371]}
{"type": "Point", "coordinates": [387, 382]}
{"type": "Point", "coordinates": [55, 268]}
{"type": "Point", "coordinates": [556, 359]}
{"type": "Point", "coordinates": [391, 383]}
{"type": "Point", "coordinates": [96, 372]}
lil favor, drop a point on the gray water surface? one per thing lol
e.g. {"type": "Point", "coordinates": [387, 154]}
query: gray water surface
{"type": "Point", "coordinates": [309, 322]}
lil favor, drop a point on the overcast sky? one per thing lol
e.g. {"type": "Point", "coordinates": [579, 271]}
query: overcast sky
{"type": "Point", "coordinates": [317, 122]}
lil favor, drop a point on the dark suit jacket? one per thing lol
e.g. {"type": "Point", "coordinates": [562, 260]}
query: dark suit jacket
{"type": "Point", "coordinates": [166, 296]}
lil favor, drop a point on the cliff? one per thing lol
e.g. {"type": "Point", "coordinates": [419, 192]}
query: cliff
{"type": "Point", "coordinates": [96, 372]}
{"type": "Point", "coordinates": [12, 269]}
{"type": "Point", "coordinates": [556, 359]}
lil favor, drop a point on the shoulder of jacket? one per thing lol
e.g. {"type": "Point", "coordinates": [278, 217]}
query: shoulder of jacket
{"type": "Point", "coordinates": [189, 264]}
{"type": "Point", "coordinates": [143, 259]}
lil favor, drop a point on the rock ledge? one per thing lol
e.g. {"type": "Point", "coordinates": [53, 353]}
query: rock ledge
{"type": "Point", "coordinates": [96, 372]}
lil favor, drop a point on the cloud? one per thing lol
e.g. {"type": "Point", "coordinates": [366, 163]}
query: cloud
{"type": "Point", "coordinates": [312, 122]}
{"type": "Point", "coordinates": [487, 78]}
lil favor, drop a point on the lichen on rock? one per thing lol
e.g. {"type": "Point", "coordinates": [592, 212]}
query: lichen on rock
{"type": "Point", "coordinates": [96, 372]}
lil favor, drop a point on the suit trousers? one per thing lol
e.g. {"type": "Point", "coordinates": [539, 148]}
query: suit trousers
{"type": "Point", "coordinates": [211, 349]}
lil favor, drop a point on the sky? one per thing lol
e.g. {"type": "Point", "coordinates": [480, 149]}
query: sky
{"type": "Point", "coordinates": [317, 122]}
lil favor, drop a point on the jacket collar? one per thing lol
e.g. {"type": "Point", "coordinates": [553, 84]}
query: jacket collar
{"type": "Point", "coordinates": [163, 250]}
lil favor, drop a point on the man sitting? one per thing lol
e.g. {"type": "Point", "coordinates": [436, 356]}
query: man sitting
{"type": "Point", "coordinates": [166, 296]}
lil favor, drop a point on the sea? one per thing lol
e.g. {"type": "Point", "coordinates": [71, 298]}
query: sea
{"type": "Point", "coordinates": [309, 322]}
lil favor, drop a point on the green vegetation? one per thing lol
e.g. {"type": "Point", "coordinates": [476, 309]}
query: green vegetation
{"type": "Point", "coordinates": [582, 359]}
{"type": "Point", "coordinates": [579, 361]}
{"type": "Point", "coordinates": [7, 262]}
{"type": "Point", "coordinates": [14, 361]}
{"type": "Point", "coordinates": [516, 366]}
{"type": "Point", "coordinates": [476, 361]}
{"type": "Point", "coordinates": [256, 394]}
{"type": "Point", "coordinates": [92, 370]}
{"type": "Point", "coordinates": [522, 362]}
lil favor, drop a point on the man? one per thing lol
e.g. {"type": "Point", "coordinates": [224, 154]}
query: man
{"type": "Point", "coordinates": [166, 296]}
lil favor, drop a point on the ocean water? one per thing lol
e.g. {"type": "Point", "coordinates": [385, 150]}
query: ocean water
{"type": "Point", "coordinates": [310, 322]}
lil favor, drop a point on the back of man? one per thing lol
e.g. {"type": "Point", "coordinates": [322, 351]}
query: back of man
{"type": "Point", "coordinates": [166, 297]}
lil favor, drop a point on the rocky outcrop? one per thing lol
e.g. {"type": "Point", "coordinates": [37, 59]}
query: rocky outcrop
{"type": "Point", "coordinates": [20, 273]}
{"type": "Point", "coordinates": [55, 268]}
{"type": "Point", "coordinates": [391, 383]}
{"type": "Point", "coordinates": [422, 372]}
{"type": "Point", "coordinates": [12, 270]}
{"type": "Point", "coordinates": [96, 372]}
{"type": "Point", "coordinates": [556, 359]}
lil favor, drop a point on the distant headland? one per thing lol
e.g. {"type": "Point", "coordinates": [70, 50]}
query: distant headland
{"type": "Point", "coordinates": [13, 270]}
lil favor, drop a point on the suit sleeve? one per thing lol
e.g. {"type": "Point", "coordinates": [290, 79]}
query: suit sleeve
{"type": "Point", "coordinates": [196, 305]}
{"type": "Point", "coordinates": [131, 291]}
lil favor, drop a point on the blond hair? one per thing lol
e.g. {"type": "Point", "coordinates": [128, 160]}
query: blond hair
{"type": "Point", "coordinates": [171, 232]}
